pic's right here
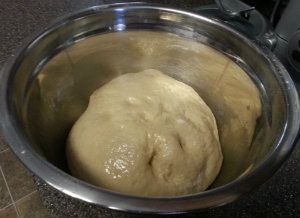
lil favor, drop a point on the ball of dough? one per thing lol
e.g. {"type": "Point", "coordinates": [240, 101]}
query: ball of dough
{"type": "Point", "coordinates": [146, 134]}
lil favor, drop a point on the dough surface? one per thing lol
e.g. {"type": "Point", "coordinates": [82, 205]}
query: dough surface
{"type": "Point", "coordinates": [146, 134]}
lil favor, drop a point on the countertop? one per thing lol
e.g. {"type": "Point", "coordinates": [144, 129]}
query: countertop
{"type": "Point", "coordinates": [279, 197]}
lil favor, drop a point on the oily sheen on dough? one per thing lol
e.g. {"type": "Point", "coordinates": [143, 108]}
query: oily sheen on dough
{"type": "Point", "coordinates": [146, 134]}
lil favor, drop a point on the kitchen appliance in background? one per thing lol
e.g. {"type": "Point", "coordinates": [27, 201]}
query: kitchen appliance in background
{"type": "Point", "coordinates": [272, 23]}
{"type": "Point", "coordinates": [288, 39]}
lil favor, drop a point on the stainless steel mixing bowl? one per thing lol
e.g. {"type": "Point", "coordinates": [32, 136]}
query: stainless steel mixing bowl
{"type": "Point", "coordinates": [36, 119]}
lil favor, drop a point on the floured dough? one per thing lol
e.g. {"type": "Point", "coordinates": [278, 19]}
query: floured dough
{"type": "Point", "coordinates": [146, 134]}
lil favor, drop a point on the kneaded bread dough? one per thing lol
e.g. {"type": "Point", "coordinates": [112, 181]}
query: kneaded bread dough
{"type": "Point", "coordinates": [146, 134]}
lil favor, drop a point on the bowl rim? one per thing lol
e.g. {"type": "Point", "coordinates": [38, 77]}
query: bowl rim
{"type": "Point", "coordinates": [153, 205]}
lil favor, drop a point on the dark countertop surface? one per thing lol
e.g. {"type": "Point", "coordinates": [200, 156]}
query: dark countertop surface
{"type": "Point", "coordinates": [279, 197]}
